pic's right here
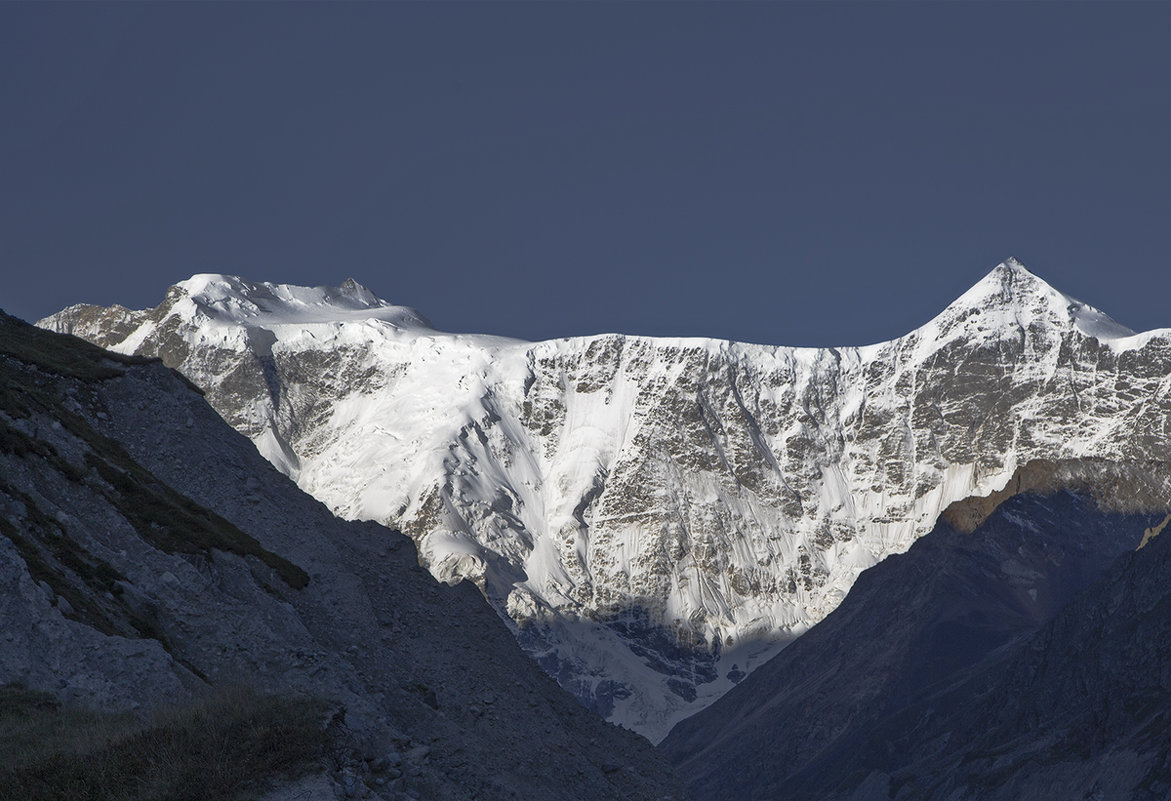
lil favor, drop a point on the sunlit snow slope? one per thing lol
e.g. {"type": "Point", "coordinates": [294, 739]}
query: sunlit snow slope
{"type": "Point", "coordinates": [657, 516]}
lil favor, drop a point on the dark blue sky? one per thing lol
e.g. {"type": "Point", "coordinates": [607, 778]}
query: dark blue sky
{"type": "Point", "coordinates": [782, 173]}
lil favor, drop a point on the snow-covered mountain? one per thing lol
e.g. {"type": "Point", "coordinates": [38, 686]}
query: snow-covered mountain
{"type": "Point", "coordinates": [656, 516]}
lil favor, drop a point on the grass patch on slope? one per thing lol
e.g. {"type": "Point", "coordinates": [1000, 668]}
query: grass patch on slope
{"type": "Point", "coordinates": [163, 517]}
{"type": "Point", "coordinates": [214, 750]}
{"type": "Point", "coordinates": [173, 522]}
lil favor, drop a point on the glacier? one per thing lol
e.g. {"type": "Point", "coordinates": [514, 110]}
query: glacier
{"type": "Point", "coordinates": [654, 517]}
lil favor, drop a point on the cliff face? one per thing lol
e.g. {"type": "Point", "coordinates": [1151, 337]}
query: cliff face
{"type": "Point", "coordinates": [656, 517]}
{"type": "Point", "coordinates": [121, 588]}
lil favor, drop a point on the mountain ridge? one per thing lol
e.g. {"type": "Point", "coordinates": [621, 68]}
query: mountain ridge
{"type": "Point", "coordinates": [122, 590]}
{"type": "Point", "coordinates": [658, 516]}
{"type": "Point", "coordinates": [996, 629]}
{"type": "Point", "coordinates": [209, 290]}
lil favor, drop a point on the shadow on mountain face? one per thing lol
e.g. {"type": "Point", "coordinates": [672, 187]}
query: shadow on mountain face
{"type": "Point", "coordinates": [689, 663]}
{"type": "Point", "coordinates": [974, 666]}
{"type": "Point", "coordinates": [121, 589]}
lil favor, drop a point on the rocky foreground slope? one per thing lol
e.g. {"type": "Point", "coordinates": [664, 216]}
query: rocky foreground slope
{"type": "Point", "coordinates": [120, 588]}
{"type": "Point", "coordinates": [655, 516]}
{"type": "Point", "coordinates": [1027, 659]}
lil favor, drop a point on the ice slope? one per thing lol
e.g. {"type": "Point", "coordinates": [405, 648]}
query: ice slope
{"type": "Point", "coordinates": [656, 516]}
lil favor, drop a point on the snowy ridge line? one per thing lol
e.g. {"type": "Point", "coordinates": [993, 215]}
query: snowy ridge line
{"type": "Point", "coordinates": [234, 300]}
{"type": "Point", "coordinates": [656, 516]}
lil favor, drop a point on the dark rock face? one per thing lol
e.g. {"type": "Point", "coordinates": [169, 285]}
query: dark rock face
{"type": "Point", "coordinates": [121, 588]}
{"type": "Point", "coordinates": [1128, 486]}
{"type": "Point", "coordinates": [1001, 664]}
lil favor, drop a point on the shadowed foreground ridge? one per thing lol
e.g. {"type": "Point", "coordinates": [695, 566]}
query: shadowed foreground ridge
{"type": "Point", "coordinates": [1002, 664]}
{"type": "Point", "coordinates": [121, 590]}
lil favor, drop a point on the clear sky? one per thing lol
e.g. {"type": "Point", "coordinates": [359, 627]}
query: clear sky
{"type": "Point", "coordinates": [799, 174]}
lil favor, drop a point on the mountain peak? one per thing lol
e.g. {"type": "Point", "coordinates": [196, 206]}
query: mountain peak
{"type": "Point", "coordinates": [1013, 264]}
{"type": "Point", "coordinates": [1013, 296]}
{"type": "Point", "coordinates": [354, 291]}
{"type": "Point", "coordinates": [1013, 274]}
{"type": "Point", "coordinates": [234, 300]}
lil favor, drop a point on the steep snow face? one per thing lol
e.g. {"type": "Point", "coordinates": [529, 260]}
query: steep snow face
{"type": "Point", "coordinates": [656, 516]}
